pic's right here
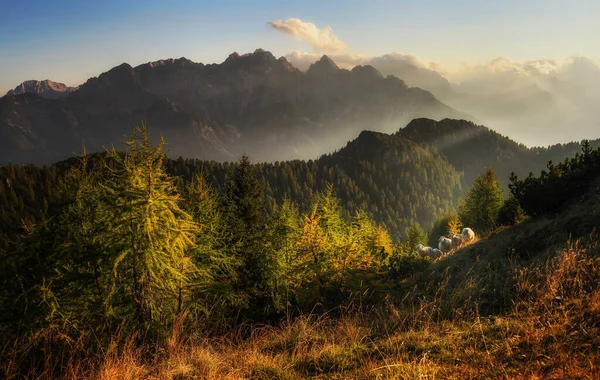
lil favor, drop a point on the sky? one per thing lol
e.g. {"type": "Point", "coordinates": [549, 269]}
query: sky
{"type": "Point", "coordinates": [71, 41]}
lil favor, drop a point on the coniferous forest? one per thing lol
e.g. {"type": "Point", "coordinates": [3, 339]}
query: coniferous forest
{"type": "Point", "coordinates": [130, 244]}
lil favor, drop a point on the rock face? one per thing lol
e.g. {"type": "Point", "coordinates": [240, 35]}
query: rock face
{"type": "Point", "coordinates": [252, 103]}
{"type": "Point", "coordinates": [44, 88]}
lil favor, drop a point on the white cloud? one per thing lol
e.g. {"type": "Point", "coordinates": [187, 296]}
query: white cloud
{"type": "Point", "coordinates": [320, 39]}
{"type": "Point", "coordinates": [408, 59]}
{"type": "Point", "coordinates": [502, 74]}
{"type": "Point", "coordinates": [303, 60]}
{"type": "Point", "coordinates": [498, 76]}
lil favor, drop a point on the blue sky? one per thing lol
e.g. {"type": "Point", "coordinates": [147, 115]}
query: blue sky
{"type": "Point", "coordinates": [70, 41]}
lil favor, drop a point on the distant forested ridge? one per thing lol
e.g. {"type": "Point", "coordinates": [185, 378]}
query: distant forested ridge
{"type": "Point", "coordinates": [414, 175]}
{"type": "Point", "coordinates": [472, 148]}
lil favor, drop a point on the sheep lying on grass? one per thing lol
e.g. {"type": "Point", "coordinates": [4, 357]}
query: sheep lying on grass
{"type": "Point", "coordinates": [447, 245]}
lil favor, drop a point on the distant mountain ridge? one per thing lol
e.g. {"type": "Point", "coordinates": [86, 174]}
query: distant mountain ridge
{"type": "Point", "coordinates": [253, 103]}
{"type": "Point", "coordinates": [44, 88]}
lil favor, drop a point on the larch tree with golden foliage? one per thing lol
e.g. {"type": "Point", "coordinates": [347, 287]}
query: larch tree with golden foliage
{"type": "Point", "coordinates": [151, 234]}
{"type": "Point", "coordinates": [314, 258]}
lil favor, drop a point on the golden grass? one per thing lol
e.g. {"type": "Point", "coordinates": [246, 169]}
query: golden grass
{"type": "Point", "coordinates": [552, 331]}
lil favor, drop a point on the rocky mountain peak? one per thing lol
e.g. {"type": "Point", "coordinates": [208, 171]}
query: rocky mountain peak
{"type": "Point", "coordinates": [119, 75]}
{"type": "Point", "coordinates": [44, 88]}
{"type": "Point", "coordinates": [258, 60]}
{"type": "Point", "coordinates": [253, 103]}
{"type": "Point", "coordinates": [367, 72]}
{"type": "Point", "coordinates": [323, 66]}
{"type": "Point", "coordinates": [114, 80]}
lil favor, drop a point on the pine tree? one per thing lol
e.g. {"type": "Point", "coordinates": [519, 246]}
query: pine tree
{"type": "Point", "coordinates": [82, 282]}
{"type": "Point", "coordinates": [215, 270]}
{"type": "Point", "coordinates": [249, 236]}
{"type": "Point", "coordinates": [482, 204]}
{"type": "Point", "coordinates": [454, 226]}
{"type": "Point", "coordinates": [286, 233]}
{"type": "Point", "coordinates": [415, 236]}
{"type": "Point", "coordinates": [511, 212]}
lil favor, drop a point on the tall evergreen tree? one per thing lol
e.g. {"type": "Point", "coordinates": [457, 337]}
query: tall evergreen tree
{"type": "Point", "coordinates": [216, 270]}
{"type": "Point", "coordinates": [415, 236]}
{"type": "Point", "coordinates": [314, 259]}
{"type": "Point", "coordinates": [286, 234]}
{"type": "Point", "coordinates": [249, 236]}
{"type": "Point", "coordinates": [482, 204]}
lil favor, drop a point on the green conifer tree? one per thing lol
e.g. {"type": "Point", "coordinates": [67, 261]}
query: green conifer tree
{"type": "Point", "coordinates": [415, 236]}
{"type": "Point", "coordinates": [482, 204]}
{"type": "Point", "coordinates": [286, 234]}
{"type": "Point", "coordinates": [249, 237]}
{"type": "Point", "coordinates": [216, 270]}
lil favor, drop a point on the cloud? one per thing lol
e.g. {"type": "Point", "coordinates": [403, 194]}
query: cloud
{"type": "Point", "coordinates": [502, 74]}
{"type": "Point", "coordinates": [407, 59]}
{"type": "Point", "coordinates": [497, 76]}
{"type": "Point", "coordinates": [320, 39]}
{"type": "Point", "coordinates": [414, 71]}
{"type": "Point", "coordinates": [303, 60]}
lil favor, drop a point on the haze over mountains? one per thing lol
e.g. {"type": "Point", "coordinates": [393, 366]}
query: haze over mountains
{"type": "Point", "coordinates": [539, 102]}
{"type": "Point", "coordinates": [253, 103]}
{"type": "Point", "coordinates": [266, 107]}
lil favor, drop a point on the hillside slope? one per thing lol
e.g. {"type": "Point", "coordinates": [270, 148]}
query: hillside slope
{"type": "Point", "coordinates": [522, 303]}
{"type": "Point", "coordinates": [472, 148]}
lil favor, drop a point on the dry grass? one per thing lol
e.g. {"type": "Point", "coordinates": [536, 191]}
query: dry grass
{"type": "Point", "coordinates": [550, 331]}
{"type": "Point", "coordinates": [553, 332]}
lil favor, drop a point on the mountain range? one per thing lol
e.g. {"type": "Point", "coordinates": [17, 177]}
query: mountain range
{"type": "Point", "coordinates": [253, 103]}
{"type": "Point", "coordinates": [537, 102]}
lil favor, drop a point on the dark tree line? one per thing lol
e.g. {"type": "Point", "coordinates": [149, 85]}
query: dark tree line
{"type": "Point", "coordinates": [558, 183]}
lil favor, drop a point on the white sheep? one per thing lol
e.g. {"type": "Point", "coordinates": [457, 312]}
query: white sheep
{"type": "Point", "coordinates": [468, 234]}
{"type": "Point", "coordinates": [444, 244]}
{"type": "Point", "coordinates": [456, 240]}
{"type": "Point", "coordinates": [424, 251]}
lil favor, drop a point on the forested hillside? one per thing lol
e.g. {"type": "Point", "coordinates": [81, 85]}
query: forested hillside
{"type": "Point", "coordinates": [113, 252]}
{"type": "Point", "coordinates": [472, 148]}
{"type": "Point", "coordinates": [415, 175]}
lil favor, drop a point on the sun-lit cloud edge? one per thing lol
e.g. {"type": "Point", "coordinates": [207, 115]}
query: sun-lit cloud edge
{"type": "Point", "coordinates": [321, 39]}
